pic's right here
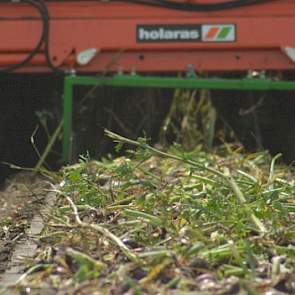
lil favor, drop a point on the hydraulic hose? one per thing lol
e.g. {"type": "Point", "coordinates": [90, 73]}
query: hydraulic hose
{"type": "Point", "coordinates": [38, 46]}
{"type": "Point", "coordinates": [43, 41]}
{"type": "Point", "coordinates": [196, 7]}
{"type": "Point", "coordinates": [46, 22]}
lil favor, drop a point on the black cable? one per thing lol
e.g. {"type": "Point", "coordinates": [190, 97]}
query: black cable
{"type": "Point", "coordinates": [37, 48]}
{"type": "Point", "coordinates": [211, 7]}
{"type": "Point", "coordinates": [46, 21]}
{"type": "Point", "coordinates": [196, 7]}
{"type": "Point", "coordinates": [41, 6]}
{"type": "Point", "coordinates": [186, 6]}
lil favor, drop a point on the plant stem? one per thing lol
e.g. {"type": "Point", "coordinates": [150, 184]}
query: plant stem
{"type": "Point", "coordinates": [159, 153]}
{"type": "Point", "coordinates": [225, 176]}
{"type": "Point", "coordinates": [105, 232]}
{"type": "Point", "coordinates": [237, 191]}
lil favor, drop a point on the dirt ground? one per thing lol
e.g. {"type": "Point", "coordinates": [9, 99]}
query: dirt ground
{"type": "Point", "coordinates": [20, 198]}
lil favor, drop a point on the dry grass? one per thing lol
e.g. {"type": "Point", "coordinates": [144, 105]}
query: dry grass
{"type": "Point", "coordinates": [170, 222]}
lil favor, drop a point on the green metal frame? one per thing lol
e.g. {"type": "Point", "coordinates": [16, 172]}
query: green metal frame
{"type": "Point", "coordinates": [122, 80]}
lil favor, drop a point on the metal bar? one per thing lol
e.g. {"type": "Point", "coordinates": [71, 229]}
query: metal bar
{"type": "Point", "coordinates": [185, 83]}
{"type": "Point", "coordinates": [156, 82]}
{"type": "Point", "coordinates": [67, 119]}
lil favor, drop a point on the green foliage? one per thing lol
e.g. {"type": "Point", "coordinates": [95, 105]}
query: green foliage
{"type": "Point", "coordinates": [181, 215]}
{"type": "Point", "coordinates": [190, 120]}
{"type": "Point", "coordinates": [86, 267]}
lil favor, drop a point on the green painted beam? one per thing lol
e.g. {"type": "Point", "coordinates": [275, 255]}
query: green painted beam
{"type": "Point", "coordinates": [185, 83]}
{"type": "Point", "coordinates": [67, 120]}
{"type": "Point", "coordinates": [155, 82]}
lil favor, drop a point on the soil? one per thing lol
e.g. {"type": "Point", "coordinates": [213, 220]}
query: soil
{"type": "Point", "coordinates": [20, 201]}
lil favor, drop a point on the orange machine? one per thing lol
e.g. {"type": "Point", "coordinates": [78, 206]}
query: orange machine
{"type": "Point", "coordinates": [147, 35]}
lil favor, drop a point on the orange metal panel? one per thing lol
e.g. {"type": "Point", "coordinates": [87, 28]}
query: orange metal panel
{"type": "Point", "coordinates": [262, 31]}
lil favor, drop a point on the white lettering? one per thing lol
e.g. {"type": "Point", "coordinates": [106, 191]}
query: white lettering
{"type": "Point", "coordinates": [143, 34]}
{"type": "Point", "coordinates": [154, 35]}
{"type": "Point", "coordinates": [163, 33]}
{"type": "Point", "coordinates": [194, 34]}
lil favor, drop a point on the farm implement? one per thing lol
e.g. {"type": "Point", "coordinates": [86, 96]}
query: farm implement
{"type": "Point", "coordinates": [148, 43]}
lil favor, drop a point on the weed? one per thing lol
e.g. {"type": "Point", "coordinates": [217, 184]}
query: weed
{"type": "Point", "coordinates": [163, 220]}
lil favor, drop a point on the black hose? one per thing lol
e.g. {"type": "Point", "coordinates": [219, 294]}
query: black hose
{"type": "Point", "coordinates": [41, 6]}
{"type": "Point", "coordinates": [196, 7]}
{"type": "Point", "coordinates": [46, 21]}
{"type": "Point", "coordinates": [37, 48]}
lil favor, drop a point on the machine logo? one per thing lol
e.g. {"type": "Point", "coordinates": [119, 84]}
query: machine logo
{"type": "Point", "coordinates": [218, 33]}
{"type": "Point", "coordinates": [186, 33]}
{"type": "Point", "coordinates": [168, 33]}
